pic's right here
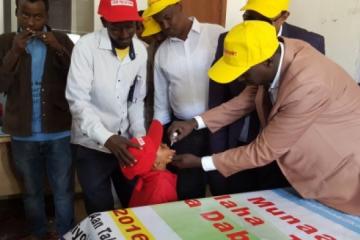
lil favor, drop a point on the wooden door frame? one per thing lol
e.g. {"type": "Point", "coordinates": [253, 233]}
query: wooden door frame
{"type": "Point", "coordinates": [220, 15]}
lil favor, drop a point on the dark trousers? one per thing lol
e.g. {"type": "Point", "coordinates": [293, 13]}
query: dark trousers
{"type": "Point", "coordinates": [95, 171]}
{"type": "Point", "coordinates": [191, 183]}
{"type": "Point", "coordinates": [218, 184]}
{"type": "Point", "coordinates": [256, 179]}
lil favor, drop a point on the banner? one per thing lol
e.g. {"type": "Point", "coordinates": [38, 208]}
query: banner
{"type": "Point", "coordinates": [266, 215]}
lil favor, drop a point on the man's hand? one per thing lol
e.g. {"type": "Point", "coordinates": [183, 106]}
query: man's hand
{"type": "Point", "coordinates": [118, 146]}
{"type": "Point", "coordinates": [186, 161]}
{"type": "Point", "coordinates": [180, 129]}
{"type": "Point", "coordinates": [20, 41]}
{"type": "Point", "coordinates": [17, 49]}
{"type": "Point", "coordinates": [49, 39]}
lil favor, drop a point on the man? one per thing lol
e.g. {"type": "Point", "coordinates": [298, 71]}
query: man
{"type": "Point", "coordinates": [34, 63]}
{"type": "Point", "coordinates": [309, 109]}
{"type": "Point", "coordinates": [106, 90]}
{"type": "Point", "coordinates": [244, 130]}
{"type": "Point", "coordinates": [181, 82]}
{"type": "Point", "coordinates": [153, 36]}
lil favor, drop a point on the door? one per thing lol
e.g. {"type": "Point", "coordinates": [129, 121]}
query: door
{"type": "Point", "coordinates": [209, 11]}
{"type": "Point", "coordinates": [60, 15]}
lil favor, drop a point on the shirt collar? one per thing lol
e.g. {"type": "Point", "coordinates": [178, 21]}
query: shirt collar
{"type": "Point", "coordinates": [105, 43]}
{"type": "Point", "coordinates": [276, 81]}
{"type": "Point", "coordinates": [195, 27]}
{"type": "Point", "coordinates": [280, 31]}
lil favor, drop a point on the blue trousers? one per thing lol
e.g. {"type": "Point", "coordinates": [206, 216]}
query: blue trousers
{"type": "Point", "coordinates": [35, 160]}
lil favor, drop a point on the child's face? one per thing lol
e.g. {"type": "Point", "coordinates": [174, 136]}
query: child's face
{"type": "Point", "coordinates": [164, 155]}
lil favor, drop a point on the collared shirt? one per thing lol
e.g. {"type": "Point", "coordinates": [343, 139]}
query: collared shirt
{"type": "Point", "coordinates": [98, 91]}
{"type": "Point", "coordinates": [37, 50]}
{"type": "Point", "coordinates": [180, 72]}
{"type": "Point", "coordinates": [273, 90]}
{"type": "Point", "coordinates": [207, 161]}
{"type": "Point", "coordinates": [280, 31]}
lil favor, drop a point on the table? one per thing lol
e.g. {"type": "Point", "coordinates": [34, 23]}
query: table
{"type": "Point", "coordinates": [9, 184]}
{"type": "Point", "coordinates": [268, 215]}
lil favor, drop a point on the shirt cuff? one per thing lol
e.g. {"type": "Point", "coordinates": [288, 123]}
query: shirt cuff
{"type": "Point", "coordinates": [101, 135]}
{"type": "Point", "coordinates": [200, 123]}
{"type": "Point", "coordinates": [208, 163]}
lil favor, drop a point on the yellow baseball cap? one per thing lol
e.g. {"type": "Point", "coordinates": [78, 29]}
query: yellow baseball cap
{"type": "Point", "coordinates": [267, 8]}
{"type": "Point", "coordinates": [156, 6]}
{"type": "Point", "coordinates": [151, 27]}
{"type": "Point", "coordinates": [246, 45]}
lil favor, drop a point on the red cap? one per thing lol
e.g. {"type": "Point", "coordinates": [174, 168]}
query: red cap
{"type": "Point", "coordinates": [119, 10]}
{"type": "Point", "coordinates": [145, 157]}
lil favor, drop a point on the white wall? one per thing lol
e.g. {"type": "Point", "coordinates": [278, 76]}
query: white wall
{"type": "Point", "coordinates": [13, 16]}
{"type": "Point", "coordinates": [233, 13]}
{"type": "Point", "coordinates": [97, 22]}
{"type": "Point", "coordinates": [1, 16]}
{"type": "Point", "coordinates": [338, 21]}
{"type": "Point", "coordinates": [142, 4]}
{"type": "Point", "coordinates": [81, 16]}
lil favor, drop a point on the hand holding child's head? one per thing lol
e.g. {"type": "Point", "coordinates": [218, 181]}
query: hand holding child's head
{"type": "Point", "coordinates": [153, 155]}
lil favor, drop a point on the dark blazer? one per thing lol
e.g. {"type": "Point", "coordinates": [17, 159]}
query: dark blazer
{"type": "Point", "coordinates": [314, 39]}
{"type": "Point", "coordinates": [228, 137]}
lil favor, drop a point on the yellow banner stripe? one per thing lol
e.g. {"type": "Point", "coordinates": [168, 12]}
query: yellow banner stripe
{"type": "Point", "coordinates": [130, 226]}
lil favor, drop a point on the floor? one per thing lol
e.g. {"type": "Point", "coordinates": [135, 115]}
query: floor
{"type": "Point", "coordinates": [12, 219]}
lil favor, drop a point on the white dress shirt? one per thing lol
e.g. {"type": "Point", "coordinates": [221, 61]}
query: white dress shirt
{"type": "Point", "coordinates": [207, 162]}
{"type": "Point", "coordinates": [98, 88]}
{"type": "Point", "coordinates": [180, 72]}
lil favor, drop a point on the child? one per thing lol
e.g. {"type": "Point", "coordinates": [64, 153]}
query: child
{"type": "Point", "coordinates": [155, 184]}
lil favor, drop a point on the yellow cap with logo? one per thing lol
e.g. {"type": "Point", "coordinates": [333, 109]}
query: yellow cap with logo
{"type": "Point", "coordinates": [267, 8]}
{"type": "Point", "coordinates": [245, 46]}
{"type": "Point", "coordinates": [156, 6]}
{"type": "Point", "coordinates": [151, 27]}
